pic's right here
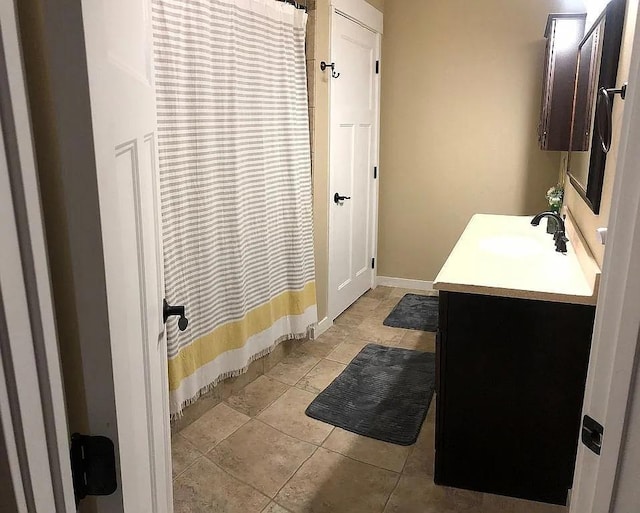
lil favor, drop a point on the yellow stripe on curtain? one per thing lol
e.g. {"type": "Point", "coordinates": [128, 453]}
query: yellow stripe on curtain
{"type": "Point", "coordinates": [235, 334]}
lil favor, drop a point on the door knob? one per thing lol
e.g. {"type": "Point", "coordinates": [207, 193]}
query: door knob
{"type": "Point", "coordinates": [170, 310]}
{"type": "Point", "coordinates": [337, 198]}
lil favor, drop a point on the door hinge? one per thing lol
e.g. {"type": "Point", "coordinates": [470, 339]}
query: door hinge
{"type": "Point", "coordinates": [93, 466]}
{"type": "Point", "coordinates": [373, 263]}
{"type": "Point", "coordinates": [375, 172]}
{"type": "Point", "coordinates": [377, 67]}
{"type": "Point", "coordinates": [592, 433]}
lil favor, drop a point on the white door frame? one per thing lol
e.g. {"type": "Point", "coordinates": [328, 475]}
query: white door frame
{"type": "Point", "coordinates": [599, 480]}
{"type": "Point", "coordinates": [34, 446]}
{"type": "Point", "coordinates": [371, 18]}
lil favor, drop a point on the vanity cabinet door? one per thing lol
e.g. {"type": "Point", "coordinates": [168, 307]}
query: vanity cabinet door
{"type": "Point", "coordinates": [563, 34]}
{"type": "Point", "coordinates": [511, 382]}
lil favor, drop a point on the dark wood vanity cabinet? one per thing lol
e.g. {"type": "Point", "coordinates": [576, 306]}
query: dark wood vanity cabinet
{"type": "Point", "coordinates": [563, 34]}
{"type": "Point", "coordinates": [510, 382]}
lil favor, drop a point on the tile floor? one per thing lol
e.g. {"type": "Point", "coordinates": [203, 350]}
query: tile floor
{"type": "Point", "coordinates": [257, 452]}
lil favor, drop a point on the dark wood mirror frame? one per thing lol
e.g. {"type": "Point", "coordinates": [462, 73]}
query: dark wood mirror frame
{"type": "Point", "coordinates": [610, 24]}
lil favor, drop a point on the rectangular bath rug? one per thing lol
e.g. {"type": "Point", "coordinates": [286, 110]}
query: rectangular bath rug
{"type": "Point", "coordinates": [384, 393]}
{"type": "Point", "coordinates": [415, 312]}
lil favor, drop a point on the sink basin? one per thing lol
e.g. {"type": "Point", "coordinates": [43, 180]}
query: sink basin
{"type": "Point", "coordinates": [511, 245]}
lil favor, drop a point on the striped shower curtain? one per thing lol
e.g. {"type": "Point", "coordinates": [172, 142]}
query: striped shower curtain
{"type": "Point", "coordinates": [235, 175]}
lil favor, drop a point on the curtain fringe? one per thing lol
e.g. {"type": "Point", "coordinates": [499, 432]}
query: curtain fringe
{"type": "Point", "coordinates": [238, 372]}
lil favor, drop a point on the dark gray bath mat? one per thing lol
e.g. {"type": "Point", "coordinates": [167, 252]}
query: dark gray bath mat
{"type": "Point", "coordinates": [415, 312]}
{"type": "Point", "coordinates": [384, 393]}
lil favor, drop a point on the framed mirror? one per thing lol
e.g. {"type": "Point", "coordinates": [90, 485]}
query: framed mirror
{"type": "Point", "coordinates": [599, 52]}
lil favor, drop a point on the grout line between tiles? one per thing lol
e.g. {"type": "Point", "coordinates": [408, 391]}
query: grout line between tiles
{"type": "Point", "coordinates": [296, 471]}
{"type": "Point", "coordinates": [295, 437]}
{"type": "Point", "coordinates": [239, 479]}
{"type": "Point", "coordinates": [223, 438]}
{"type": "Point", "coordinates": [263, 409]}
{"type": "Point", "coordinates": [187, 467]}
{"type": "Point", "coordinates": [386, 503]}
{"type": "Point", "coordinates": [315, 448]}
{"type": "Point", "coordinates": [307, 373]}
{"type": "Point", "coordinates": [359, 461]}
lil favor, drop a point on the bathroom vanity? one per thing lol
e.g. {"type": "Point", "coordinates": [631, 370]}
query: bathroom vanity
{"type": "Point", "coordinates": [516, 320]}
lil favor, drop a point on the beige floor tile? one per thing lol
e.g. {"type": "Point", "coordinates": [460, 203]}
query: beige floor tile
{"type": "Point", "coordinates": [257, 396]}
{"type": "Point", "coordinates": [183, 454]}
{"type": "Point", "coordinates": [213, 427]}
{"type": "Point", "coordinates": [421, 458]}
{"type": "Point", "coordinates": [418, 340]}
{"type": "Point", "coordinates": [337, 330]}
{"type": "Point", "coordinates": [364, 305]}
{"type": "Point", "coordinates": [361, 448]}
{"type": "Point", "coordinates": [197, 409]}
{"type": "Point", "coordinates": [261, 456]}
{"type": "Point", "coordinates": [388, 304]}
{"type": "Point", "coordinates": [379, 292]}
{"type": "Point", "coordinates": [498, 504]}
{"type": "Point", "coordinates": [205, 488]}
{"type": "Point", "coordinates": [234, 385]}
{"type": "Point", "coordinates": [279, 353]}
{"type": "Point", "coordinates": [349, 319]}
{"type": "Point", "coordinates": [331, 483]}
{"type": "Point", "coordinates": [321, 376]}
{"type": "Point", "coordinates": [382, 312]}
{"type": "Point", "coordinates": [418, 494]}
{"type": "Point", "coordinates": [374, 331]}
{"type": "Point", "coordinates": [293, 367]}
{"type": "Point", "coordinates": [287, 415]}
{"type": "Point", "coordinates": [275, 508]}
{"type": "Point", "coordinates": [431, 414]}
{"type": "Point", "coordinates": [322, 346]}
{"type": "Point", "coordinates": [397, 292]}
{"type": "Point", "coordinates": [347, 350]}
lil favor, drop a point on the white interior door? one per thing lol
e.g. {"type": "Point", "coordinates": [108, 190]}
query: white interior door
{"type": "Point", "coordinates": [614, 351]}
{"type": "Point", "coordinates": [353, 155]}
{"type": "Point", "coordinates": [119, 50]}
{"type": "Point", "coordinates": [99, 60]}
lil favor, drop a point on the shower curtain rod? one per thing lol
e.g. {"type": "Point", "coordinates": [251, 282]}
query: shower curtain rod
{"type": "Point", "coordinates": [297, 5]}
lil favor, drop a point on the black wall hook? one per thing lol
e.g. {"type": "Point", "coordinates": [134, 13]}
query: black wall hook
{"type": "Point", "coordinates": [324, 66]}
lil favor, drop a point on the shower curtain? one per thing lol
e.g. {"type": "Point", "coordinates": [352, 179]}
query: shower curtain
{"type": "Point", "coordinates": [235, 178]}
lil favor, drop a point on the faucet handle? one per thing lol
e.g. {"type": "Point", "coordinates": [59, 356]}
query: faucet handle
{"type": "Point", "coordinates": [561, 241]}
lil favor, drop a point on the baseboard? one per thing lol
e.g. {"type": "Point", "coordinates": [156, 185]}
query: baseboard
{"type": "Point", "coordinates": [321, 327]}
{"type": "Point", "coordinates": [404, 283]}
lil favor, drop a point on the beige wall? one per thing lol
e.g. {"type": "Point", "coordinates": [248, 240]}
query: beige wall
{"type": "Point", "coordinates": [587, 220]}
{"type": "Point", "coordinates": [461, 85]}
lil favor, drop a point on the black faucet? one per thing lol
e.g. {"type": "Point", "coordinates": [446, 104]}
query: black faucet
{"type": "Point", "coordinates": [559, 236]}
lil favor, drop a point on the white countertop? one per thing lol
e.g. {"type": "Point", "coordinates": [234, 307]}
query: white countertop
{"type": "Point", "coordinates": [506, 256]}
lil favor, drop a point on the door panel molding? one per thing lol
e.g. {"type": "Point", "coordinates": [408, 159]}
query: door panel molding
{"type": "Point", "coordinates": [361, 12]}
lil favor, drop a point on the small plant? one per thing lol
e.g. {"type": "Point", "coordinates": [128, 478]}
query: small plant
{"type": "Point", "coordinates": [555, 195]}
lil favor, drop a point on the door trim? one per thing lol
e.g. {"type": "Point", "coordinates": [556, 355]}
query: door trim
{"type": "Point", "coordinates": [36, 471]}
{"type": "Point", "coordinates": [370, 18]}
{"type": "Point", "coordinates": [361, 12]}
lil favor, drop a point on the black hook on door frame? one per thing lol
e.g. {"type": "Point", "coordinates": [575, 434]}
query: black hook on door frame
{"type": "Point", "coordinates": [332, 66]}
